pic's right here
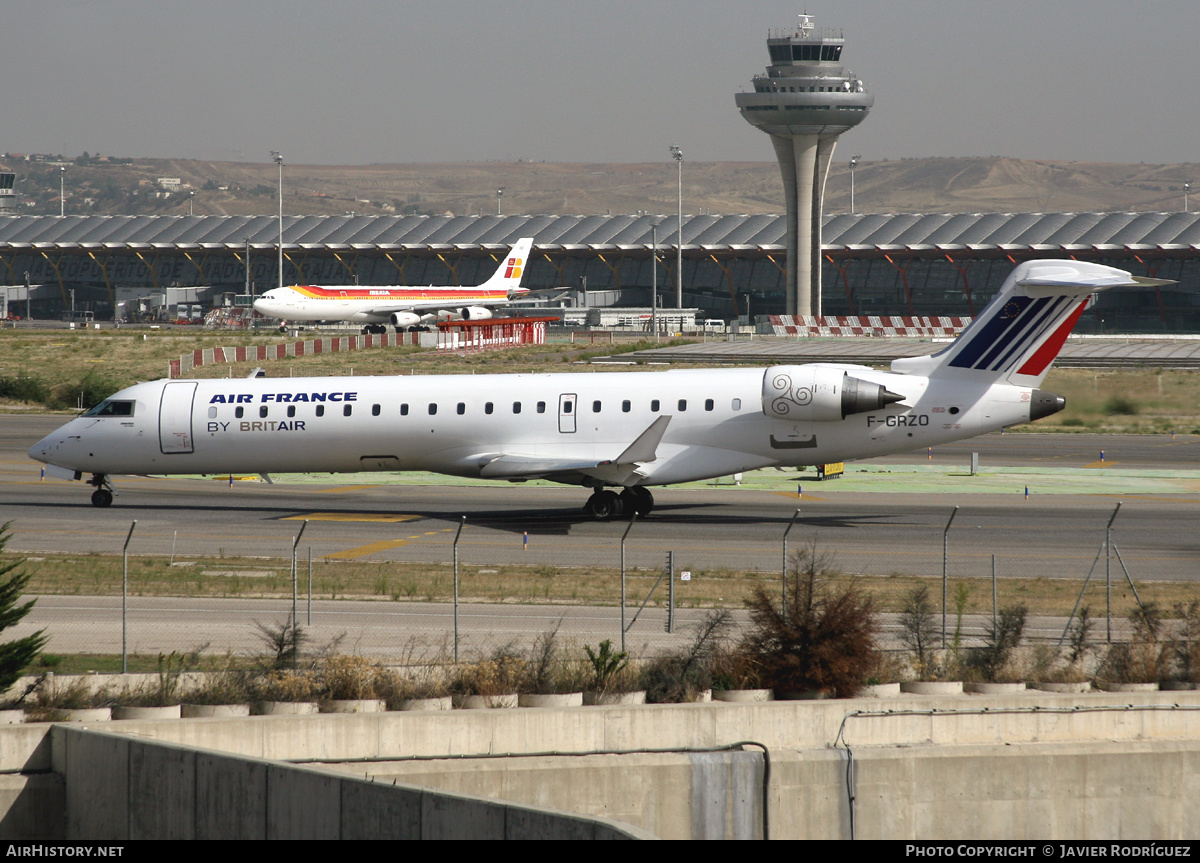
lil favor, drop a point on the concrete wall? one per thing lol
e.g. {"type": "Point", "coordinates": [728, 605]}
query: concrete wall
{"type": "Point", "coordinates": [1036, 791]}
{"type": "Point", "coordinates": [119, 788]}
{"type": "Point", "coordinates": [782, 725]}
{"type": "Point", "coordinates": [1032, 765]}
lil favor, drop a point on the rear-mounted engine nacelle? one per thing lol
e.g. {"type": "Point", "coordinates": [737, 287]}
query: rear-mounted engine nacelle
{"type": "Point", "coordinates": [405, 319]}
{"type": "Point", "coordinates": [476, 313]}
{"type": "Point", "coordinates": [814, 393]}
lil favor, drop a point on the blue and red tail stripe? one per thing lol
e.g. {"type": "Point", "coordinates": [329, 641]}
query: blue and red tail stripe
{"type": "Point", "coordinates": [1004, 337]}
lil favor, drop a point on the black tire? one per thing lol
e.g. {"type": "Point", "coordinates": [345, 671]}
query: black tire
{"type": "Point", "coordinates": [638, 499]}
{"type": "Point", "coordinates": [102, 497]}
{"type": "Point", "coordinates": [603, 505]}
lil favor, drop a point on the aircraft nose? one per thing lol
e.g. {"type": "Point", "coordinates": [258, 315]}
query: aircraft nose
{"type": "Point", "coordinates": [41, 450]}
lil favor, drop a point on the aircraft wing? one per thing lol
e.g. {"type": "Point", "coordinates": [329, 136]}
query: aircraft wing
{"type": "Point", "coordinates": [385, 309]}
{"type": "Point", "coordinates": [622, 468]}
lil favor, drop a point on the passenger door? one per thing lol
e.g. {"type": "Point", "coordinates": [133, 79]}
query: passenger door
{"type": "Point", "coordinates": [566, 413]}
{"type": "Point", "coordinates": [175, 417]}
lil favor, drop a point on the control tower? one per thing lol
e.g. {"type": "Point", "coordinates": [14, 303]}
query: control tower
{"type": "Point", "coordinates": [804, 101]}
{"type": "Point", "coordinates": [8, 201]}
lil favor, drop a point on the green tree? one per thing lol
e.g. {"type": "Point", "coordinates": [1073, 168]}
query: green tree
{"type": "Point", "coordinates": [16, 655]}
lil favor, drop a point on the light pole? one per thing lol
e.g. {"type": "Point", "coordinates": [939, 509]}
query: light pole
{"type": "Point", "coordinates": [191, 196]}
{"type": "Point", "coordinates": [62, 200]}
{"type": "Point", "coordinates": [1187, 187]}
{"type": "Point", "coordinates": [278, 157]}
{"type": "Point", "coordinates": [853, 161]}
{"type": "Point", "coordinates": [499, 195]}
{"type": "Point", "coordinates": [677, 155]}
{"type": "Point", "coordinates": [654, 278]}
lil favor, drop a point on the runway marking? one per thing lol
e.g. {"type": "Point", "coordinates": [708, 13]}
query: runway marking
{"type": "Point", "coordinates": [792, 495]}
{"type": "Point", "coordinates": [1102, 464]}
{"type": "Point", "coordinates": [1160, 499]}
{"type": "Point", "coordinates": [374, 517]}
{"type": "Point", "coordinates": [382, 545]}
{"type": "Point", "coordinates": [364, 550]}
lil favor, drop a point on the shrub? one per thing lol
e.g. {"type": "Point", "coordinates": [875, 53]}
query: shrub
{"type": "Point", "coordinates": [1186, 650]}
{"type": "Point", "coordinates": [499, 675]}
{"type": "Point", "coordinates": [226, 685]}
{"type": "Point", "coordinates": [18, 654]}
{"type": "Point", "coordinates": [919, 630]}
{"type": "Point", "coordinates": [824, 640]}
{"type": "Point", "coordinates": [1119, 404]}
{"type": "Point", "coordinates": [1002, 638]}
{"type": "Point", "coordinates": [684, 674]}
{"type": "Point", "coordinates": [79, 694]}
{"type": "Point", "coordinates": [607, 664]}
{"type": "Point", "coordinates": [1144, 659]}
{"type": "Point", "coordinates": [24, 390]}
{"type": "Point", "coordinates": [283, 642]}
{"type": "Point", "coordinates": [550, 670]}
{"type": "Point", "coordinates": [347, 678]}
{"type": "Point", "coordinates": [281, 685]}
{"type": "Point", "coordinates": [164, 691]}
{"type": "Point", "coordinates": [87, 392]}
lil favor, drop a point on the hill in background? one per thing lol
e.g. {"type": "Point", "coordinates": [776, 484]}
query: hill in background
{"type": "Point", "coordinates": [104, 185]}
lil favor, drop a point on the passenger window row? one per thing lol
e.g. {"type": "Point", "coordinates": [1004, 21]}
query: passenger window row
{"type": "Point", "coordinates": [488, 408]}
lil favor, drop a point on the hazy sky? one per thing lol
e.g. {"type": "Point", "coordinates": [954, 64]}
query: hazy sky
{"type": "Point", "coordinates": [362, 81]}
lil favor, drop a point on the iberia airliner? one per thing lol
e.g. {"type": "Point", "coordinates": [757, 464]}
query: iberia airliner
{"type": "Point", "coordinates": [401, 306]}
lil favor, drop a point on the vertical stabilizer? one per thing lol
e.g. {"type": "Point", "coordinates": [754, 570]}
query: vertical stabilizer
{"type": "Point", "coordinates": [1020, 332]}
{"type": "Point", "coordinates": [512, 267]}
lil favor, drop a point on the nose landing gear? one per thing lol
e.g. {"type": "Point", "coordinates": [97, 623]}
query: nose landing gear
{"type": "Point", "coordinates": [604, 504]}
{"type": "Point", "coordinates": [104, 493]}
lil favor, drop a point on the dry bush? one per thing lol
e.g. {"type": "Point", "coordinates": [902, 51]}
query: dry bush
{"type": "Point", "coordinates": [1186, 649]}
{"type": "Point", "coordinates": [500, 674]}
{"type": "Point", "coordinates": [347, 678]}
{"type": "Point", "coordinates": [682, 675]}
{"type": "Point", "coordinates": [552, 669]}
{"type": "Point", "coordinates": [824, 640]}
{"type": "Point", "coordinates": [1003, 636]}
{"type": "Point", "coordinates": [1144, 659]}
{"type": "Point", "coordinates": [283, 685]}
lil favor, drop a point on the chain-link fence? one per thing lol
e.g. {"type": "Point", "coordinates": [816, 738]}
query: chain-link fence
{"type": "Point", "coordinates": [427, 590]}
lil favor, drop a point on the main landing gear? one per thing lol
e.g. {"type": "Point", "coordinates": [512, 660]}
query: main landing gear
{"type": "Point", "coordinates": [104, 493]}
{"type": "Point", "coordinates": [605, 504]}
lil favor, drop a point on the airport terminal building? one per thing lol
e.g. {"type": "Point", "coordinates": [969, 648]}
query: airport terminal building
{"type": "Point", "coordinates": [873, 264]}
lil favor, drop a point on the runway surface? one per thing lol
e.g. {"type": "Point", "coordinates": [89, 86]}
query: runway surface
{"type": "Point", "coordinates": [1052, 536]}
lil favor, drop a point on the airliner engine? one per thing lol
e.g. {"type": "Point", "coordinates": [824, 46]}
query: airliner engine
{"type": "Point", "coordinates": [816, 393]}
{"type": "Point", "coordinates": [405, 319]}
{"type": "Point", "coordinates": [475, 313]}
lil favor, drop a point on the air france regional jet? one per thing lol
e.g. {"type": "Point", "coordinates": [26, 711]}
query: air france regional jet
{"type": "Point", "coordinates": [614, 433]}
{"type": "Point", "coordinates": [400, 306]}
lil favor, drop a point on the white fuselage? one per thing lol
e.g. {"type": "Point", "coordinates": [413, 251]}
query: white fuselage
{"type": "Point", "coordinates": [460, 424]}
{"type": "Point", "coordinates": [370, 305]}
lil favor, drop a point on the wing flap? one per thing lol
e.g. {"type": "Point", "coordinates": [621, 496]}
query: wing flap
{"type": "Point", "coordinates": [623, 467]}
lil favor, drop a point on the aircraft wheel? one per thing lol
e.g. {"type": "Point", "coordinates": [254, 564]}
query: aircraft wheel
{"type": "Point", "coordinates": [603, 505]}
{"type": "Point", "coordinates": [638, 499]}
{"type": "Point", "coordinates": [102, 497]}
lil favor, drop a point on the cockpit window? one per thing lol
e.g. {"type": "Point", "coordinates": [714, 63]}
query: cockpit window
{"type": "Point", "coordinates": [112, 408]}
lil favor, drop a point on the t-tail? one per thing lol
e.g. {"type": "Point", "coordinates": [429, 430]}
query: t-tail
{"type": "Point", "coordinates": [508, 274]}
{"type": "Point", "coordinates": [1019, 334]}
